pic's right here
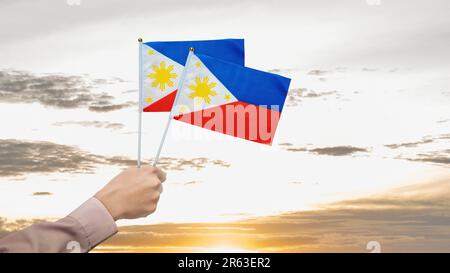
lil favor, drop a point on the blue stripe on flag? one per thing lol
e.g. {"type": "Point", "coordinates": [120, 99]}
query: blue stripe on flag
{"type": "Point", "coordinates": [231, 50]}
{"type": "Point", "coordinates": [249, 85]}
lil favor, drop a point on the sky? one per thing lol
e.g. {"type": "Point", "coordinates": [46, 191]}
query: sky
{"type": "Point", "coordinates": [363, 142]}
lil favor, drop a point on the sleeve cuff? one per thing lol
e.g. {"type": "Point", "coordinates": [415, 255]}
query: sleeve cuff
{"type": "Point", "coordinates": [96, 221]}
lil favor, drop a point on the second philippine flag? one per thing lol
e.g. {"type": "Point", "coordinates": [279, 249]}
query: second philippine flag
{"type": "Point", "coordinates": [231, 99]}
{"type": "Point", "coordinates": [163, 64]}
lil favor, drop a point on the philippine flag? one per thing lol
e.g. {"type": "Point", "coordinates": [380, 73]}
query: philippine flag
{"type": "Point", "coordinates": [231, 99]}
{"type": "Point", "coordinates": [163, 64]}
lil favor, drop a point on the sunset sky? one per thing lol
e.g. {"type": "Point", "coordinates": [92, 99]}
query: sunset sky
{"type": "Point", "coordinates": [362, 151]}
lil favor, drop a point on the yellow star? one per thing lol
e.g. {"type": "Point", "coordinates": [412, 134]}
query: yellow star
{"type": "Point", "coordinates": [162, 76]}
{"type": "Point", "coordinates": [198, 64]}
{"type": "Point", "coordinates": [149, 99]}
{"type": "Point", "coordinates": [227, 97]}
{"type": "Point", "coordinates": [151, 52]}
{"type": "Point", "coordinates": [203, 89]}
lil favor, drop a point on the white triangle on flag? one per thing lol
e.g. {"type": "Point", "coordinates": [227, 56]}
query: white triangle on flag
{"type": "Point", "coordinates": [201, 89]}
{"type": "Point", "coordinates": [161, 75]}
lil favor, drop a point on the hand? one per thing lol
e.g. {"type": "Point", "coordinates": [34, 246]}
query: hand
{"type": "Point", "coordinates": [133, 193]}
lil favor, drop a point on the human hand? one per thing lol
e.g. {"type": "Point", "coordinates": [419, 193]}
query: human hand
{"type": "Point", "coordinates": [133, 193]}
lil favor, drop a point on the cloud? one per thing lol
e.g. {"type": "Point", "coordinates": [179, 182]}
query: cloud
{"type": "Point", "coordinates": [95, 123]}
{"type": "Point", "coordinates": [112, 80]}
{"type": "Point", "coordinates": [331, 151]}
{"type": "Point", "coordinates": [41, 193]}
{"type": "Point", "coordinates": [318, 72]}
{"type": "Point", "coordinates": [365, 69]}
{"type": "Point", "coordinates": [111, 107]}
{"type": "Point", "coordinates": [295, 96]}
{"type": "Point", "coordinates": [315, 94]}
{"type": "Point", "coordinates": [130, 91]}
{"type": "Point", "coordinates": [18, 158]}
{"type": "Point", "coordinates": [424, 140]}
{"type": "Point", "coordinates": [56, 90]}
{"type": "Point", "coordinates": [339, 150]}
{"type": "Point", "coordinates": [22, 157]}
{"type": "Point", "coordinates": [179, 164]}
{"type": "Point", "coordinates": [442, 157]}
{"type": "Point", "coordinates": [426, 154]}
{"type": "Point", "coordinates": [173, 163]}
{"type": "Point", "coordinates": [192, 183]}
{"type": "Point", "coordinates": [414, 218]}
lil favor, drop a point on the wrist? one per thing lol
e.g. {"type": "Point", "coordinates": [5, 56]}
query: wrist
{"type": "Point", "coordinates": [110, 207]}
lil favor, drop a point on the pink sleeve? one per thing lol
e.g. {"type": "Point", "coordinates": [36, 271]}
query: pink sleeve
{"type": "Point", "coordinates": [80, 231]}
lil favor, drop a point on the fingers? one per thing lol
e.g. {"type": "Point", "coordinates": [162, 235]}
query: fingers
{"type": "Point", "coordinates": [159, 173]}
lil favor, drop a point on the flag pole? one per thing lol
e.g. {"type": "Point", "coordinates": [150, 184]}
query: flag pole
{"type": "Point", "coordinates": [140, 105]}
{"type": "Point", "coordinates": [172, 111]}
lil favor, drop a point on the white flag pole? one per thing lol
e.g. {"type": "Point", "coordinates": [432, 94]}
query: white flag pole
{"type": "Point", "coordinates": [140, 105]}
{"type": "Point", "coordinates": [172, 111]}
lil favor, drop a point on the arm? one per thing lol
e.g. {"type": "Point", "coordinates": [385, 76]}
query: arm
{"type": "Point", "coordinates": [86, 226]}
{"type": "Point", "coordinates": [133, 193]}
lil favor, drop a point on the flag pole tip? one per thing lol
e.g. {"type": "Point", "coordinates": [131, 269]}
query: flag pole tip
{"type": "Point", "coordinates": [191, 49]}
{"type": "Point", "coordinates": [140, 40]}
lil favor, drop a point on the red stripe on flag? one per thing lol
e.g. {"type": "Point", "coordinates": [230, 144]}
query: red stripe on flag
{"type": "Point", "coordinates": [238, 119]}
{"type": "Point", "coordinates": [162, 105]}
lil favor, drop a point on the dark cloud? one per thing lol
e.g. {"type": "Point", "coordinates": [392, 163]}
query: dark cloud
{"type": "Point", "coordinates": [408, 219]}
{"type": "Point", "coordinates": [18, 158]}
{"type": "Point", "coordinates": [332, 151]}
{"type": "Point", "coordinates": [441, 157]}
{"type": "Point", "coordinates": [431, 156]}
{"type": "Point", "coordinates": [315, 94]}
{"type": "Point", "coordinates": [41, 193]}
{"type": "Point", "coordinates": [339, 150]}
{"type": "Point", "coordinates": [95, 123]}
{"type": "Point", "coordinates": [295, 96]}
{"type": "Point", "coordinates": [22, 157]}
{"type": "Point", "coordinates": [424, 140]}
{"type": "Point", "coordinates": [55, 90]}
{"type": "Point", "coordinates": [179, 164]}
{"type": "Point", "coordinates": [412, 218]}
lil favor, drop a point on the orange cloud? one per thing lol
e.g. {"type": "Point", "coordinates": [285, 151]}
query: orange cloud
{"type": "Point", "coordinates": [409, 219]}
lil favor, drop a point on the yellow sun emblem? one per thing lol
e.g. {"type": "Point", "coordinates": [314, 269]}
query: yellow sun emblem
{"type": "Point", "coordinates": [202, 89]}
{"type": "Point", "coordinates": [162, 76]}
